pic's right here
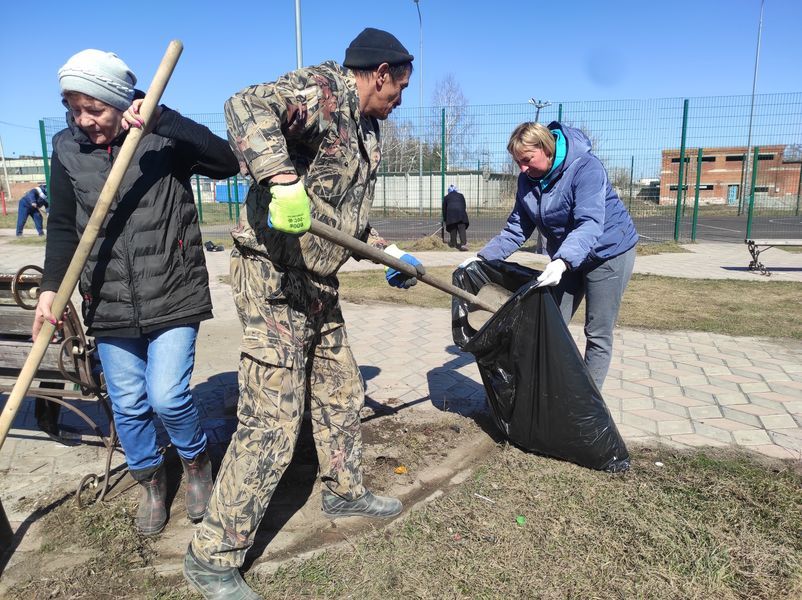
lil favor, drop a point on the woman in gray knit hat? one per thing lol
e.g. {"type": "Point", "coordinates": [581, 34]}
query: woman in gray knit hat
{"type": "Point", "coordinates": [144, 287]}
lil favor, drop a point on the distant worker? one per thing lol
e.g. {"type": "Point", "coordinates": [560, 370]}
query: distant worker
{"type": "Point", "coordinates": [33, 204]}
{"type": "Point", "coordinates": [455, 216]}
{"type": "Point", "coordinates": [564, 192]}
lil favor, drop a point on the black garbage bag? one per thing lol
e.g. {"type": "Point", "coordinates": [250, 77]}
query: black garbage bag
{"type": "Point", "coordinates": [540, 392]}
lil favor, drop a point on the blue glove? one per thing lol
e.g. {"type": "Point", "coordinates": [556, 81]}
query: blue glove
{"type": "Point", "coordinates": [396, 278]}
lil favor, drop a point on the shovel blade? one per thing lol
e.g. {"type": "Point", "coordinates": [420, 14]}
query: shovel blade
{"type": "Point", "coordinates": [490, 293]}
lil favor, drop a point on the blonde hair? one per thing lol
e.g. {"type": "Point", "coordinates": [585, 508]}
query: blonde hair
{"type": "Point", "coordinates": [534, 135]}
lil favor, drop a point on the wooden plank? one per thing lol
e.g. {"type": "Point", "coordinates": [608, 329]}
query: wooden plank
{"type": "Point", "coordinates": [15, 321]}
{"type": "Point", "coordinates": [14, 353]}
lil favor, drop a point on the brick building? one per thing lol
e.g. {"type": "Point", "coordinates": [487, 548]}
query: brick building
{"type": "Point", "coordinates": [779, 176]}
{"type": "Point", "coordinates": [24, 173]}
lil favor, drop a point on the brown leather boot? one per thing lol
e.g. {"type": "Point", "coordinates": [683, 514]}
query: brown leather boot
{"type": "Point", "coordinates": [151, 516]}
{"type": "Point", "coordinates": [199, 485]}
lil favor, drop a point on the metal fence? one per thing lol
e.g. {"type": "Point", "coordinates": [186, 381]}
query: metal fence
{"type": "Point", "coordinates": [705, 169]}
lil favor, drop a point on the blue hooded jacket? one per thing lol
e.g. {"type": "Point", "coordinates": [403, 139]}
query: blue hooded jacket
{"type": "Point", "coordinates": [576, 210]}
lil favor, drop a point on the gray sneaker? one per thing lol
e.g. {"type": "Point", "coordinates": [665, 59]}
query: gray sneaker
{"type": "Point", "coordinates": [366, 506]}
{"type": "Point", "coordinates": [216, 583]}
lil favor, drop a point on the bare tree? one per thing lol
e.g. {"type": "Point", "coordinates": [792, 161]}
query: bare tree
{"type": "Point", "coordinates": [399, 147]}
{"type": "Point", "coordinates": [448, 94]}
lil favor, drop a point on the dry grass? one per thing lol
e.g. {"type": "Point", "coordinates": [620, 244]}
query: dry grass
{"type": "Point", "coordinates": [108, 558]}
{"type": "Point", "coordinates": [29, 239]}
{"type": "Point", "coordinates": [739, 308]}
{"type": "Point", "coordinates": [706, 525]}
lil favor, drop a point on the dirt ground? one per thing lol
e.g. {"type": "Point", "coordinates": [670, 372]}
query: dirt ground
{"type": "Point", "coordinates": [405, 455]}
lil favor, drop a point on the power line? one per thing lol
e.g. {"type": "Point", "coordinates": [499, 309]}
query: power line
{"type": "Point", "coordinates": [20, 126]}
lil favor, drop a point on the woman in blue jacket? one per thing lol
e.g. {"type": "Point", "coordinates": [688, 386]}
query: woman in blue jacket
{"type": "Point", "coordinates": [564, 192]}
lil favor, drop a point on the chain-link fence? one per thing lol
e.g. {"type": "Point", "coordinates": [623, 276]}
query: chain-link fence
{"type": "Point", "coordinates": [738, 158]}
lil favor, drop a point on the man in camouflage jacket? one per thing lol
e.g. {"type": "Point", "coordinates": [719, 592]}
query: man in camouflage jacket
{"type": "Point", "coordinates": [310, 141]}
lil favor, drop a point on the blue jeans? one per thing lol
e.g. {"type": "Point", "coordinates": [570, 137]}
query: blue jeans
{"type": "Point", "coordinates": [603, 286]}
{"type": "Point", "coordinates": [23, 212]}
{"type": "Point", "coordinates": [150, 374]}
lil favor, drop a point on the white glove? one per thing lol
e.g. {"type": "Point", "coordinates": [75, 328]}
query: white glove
{"type": "Point", "coordinates": [468, 261]}
{"type": "Point", "coordinates": [553, 272]}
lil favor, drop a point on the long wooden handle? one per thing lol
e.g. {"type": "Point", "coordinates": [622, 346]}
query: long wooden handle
{"type": "Point", "coordinates": [359, 247]}
{"type": "Point", "coordinates": [89, 236]}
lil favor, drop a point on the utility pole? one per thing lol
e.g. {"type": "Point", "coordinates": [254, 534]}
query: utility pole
{"type": "Point", "coordinates": [5, 171]}
{"type": "Point", "coordinates": [538, 104]}
{"type": "Point", "coordinates": [299, 61]}
{"type": "Point", "coordinates": [748, 155]}
{"type": "Point", "coordinates": [420, 111]}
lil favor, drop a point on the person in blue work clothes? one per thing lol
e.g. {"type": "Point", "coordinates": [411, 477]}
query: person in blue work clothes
{"type": "Point", "coordinates": [564, 192]}
{"type": "Point", "coordinates": [31, 205]}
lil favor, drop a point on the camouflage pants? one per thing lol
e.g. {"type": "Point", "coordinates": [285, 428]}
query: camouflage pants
{"type": "Point", "coordinates": [294, 343]}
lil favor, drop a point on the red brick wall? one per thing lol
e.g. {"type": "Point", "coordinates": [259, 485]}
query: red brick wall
{"type": "Point", "coordinates": [781, 179]}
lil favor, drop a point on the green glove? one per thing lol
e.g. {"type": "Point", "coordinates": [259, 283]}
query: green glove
{"type": "Point", "coordinates": [289, 208]}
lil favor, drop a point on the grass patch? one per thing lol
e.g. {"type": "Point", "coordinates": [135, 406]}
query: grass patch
{"type": "Point", "coordinates": [706, 525]}
{"type": "Point", "coordinates": [29, 240]}
{"type": "Point", "coordinates": [731, 307]}
{"type": "Point", "coordinates": [659, 248]}
{"type": "Point", "coordinates": [103, 554]}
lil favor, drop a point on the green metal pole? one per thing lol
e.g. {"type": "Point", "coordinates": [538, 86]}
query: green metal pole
{"type": "Point", "coordinates": [685, 188]}
{"type": "Point", "coordinates": [384, 191]}
{"type": "Point", "coordinates": [45, 158]}
{"type": "Point", "coordinates": [560, 112]}
{"type": "Point", "coordinates": [631, 175]}
{"type": "Point", "coordinates": [443, 165]}
{"type": "Point", "coordinates": [228, 199]}
{"type": "Point", "coordinates": [431, 194]}
{"type": "Point", "coordinates": [696, 194]}
{"type": "Point", "coordinates": [798, 190]}
{"type": "Point", "coordinates": [678, 213]}
{"type": "Point", "coordinates": [236, 196]}
{"type": "Point", "coordinates": [200, 199]}
{"type": "Point", "coordinates": [752, 194]}
{"type": "Point", "coordinates": [742, 186]}
{"type": "Point", "coordinates": [478, 185]}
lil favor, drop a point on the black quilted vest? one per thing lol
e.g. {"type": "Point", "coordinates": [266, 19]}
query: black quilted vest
{"type": "Point", "coordinates": [147, 266]}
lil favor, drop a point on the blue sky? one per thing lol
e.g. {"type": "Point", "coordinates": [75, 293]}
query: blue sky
{"type": "Point", "coordinates": [500, 52]}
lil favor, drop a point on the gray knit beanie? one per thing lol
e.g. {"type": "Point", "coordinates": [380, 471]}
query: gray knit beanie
{"type": "Point", "coordinates": [101, 75]}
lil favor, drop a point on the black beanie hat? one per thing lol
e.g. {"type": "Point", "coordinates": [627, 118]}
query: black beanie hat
{"type": "Point", "coordinates": [373, 47]}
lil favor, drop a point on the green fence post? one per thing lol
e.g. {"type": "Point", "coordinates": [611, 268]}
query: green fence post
{"type": "Point", "coordinates": [431, 194]}
{"type": "Point", "coordinates": [752, 194]}
{"type": "Point", "coordinates": [236, 196]}
{"type": "Point", "coordinates": [560, 112]}
{"type": "Point", "coordinates": [696, 194]}
{"type": "Point", "coordinates": [45, 158]}
{"type": "Point", "coordinates": [443, 164]}
{"type": "Point", "coordinates": [384, 190]}
{"type": "Point", "coordinates": [678, 212]}
{"type": "Point", "coordinates": [798, 190]}
{"type": "Point", "coordinates": [631, 175]}
{"type": "Point", "coordinates": [200, 199]}
{"type": "Point", "coordinates": [478, 185]}
{"type": "Point", "coordinates": [228, 199]}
